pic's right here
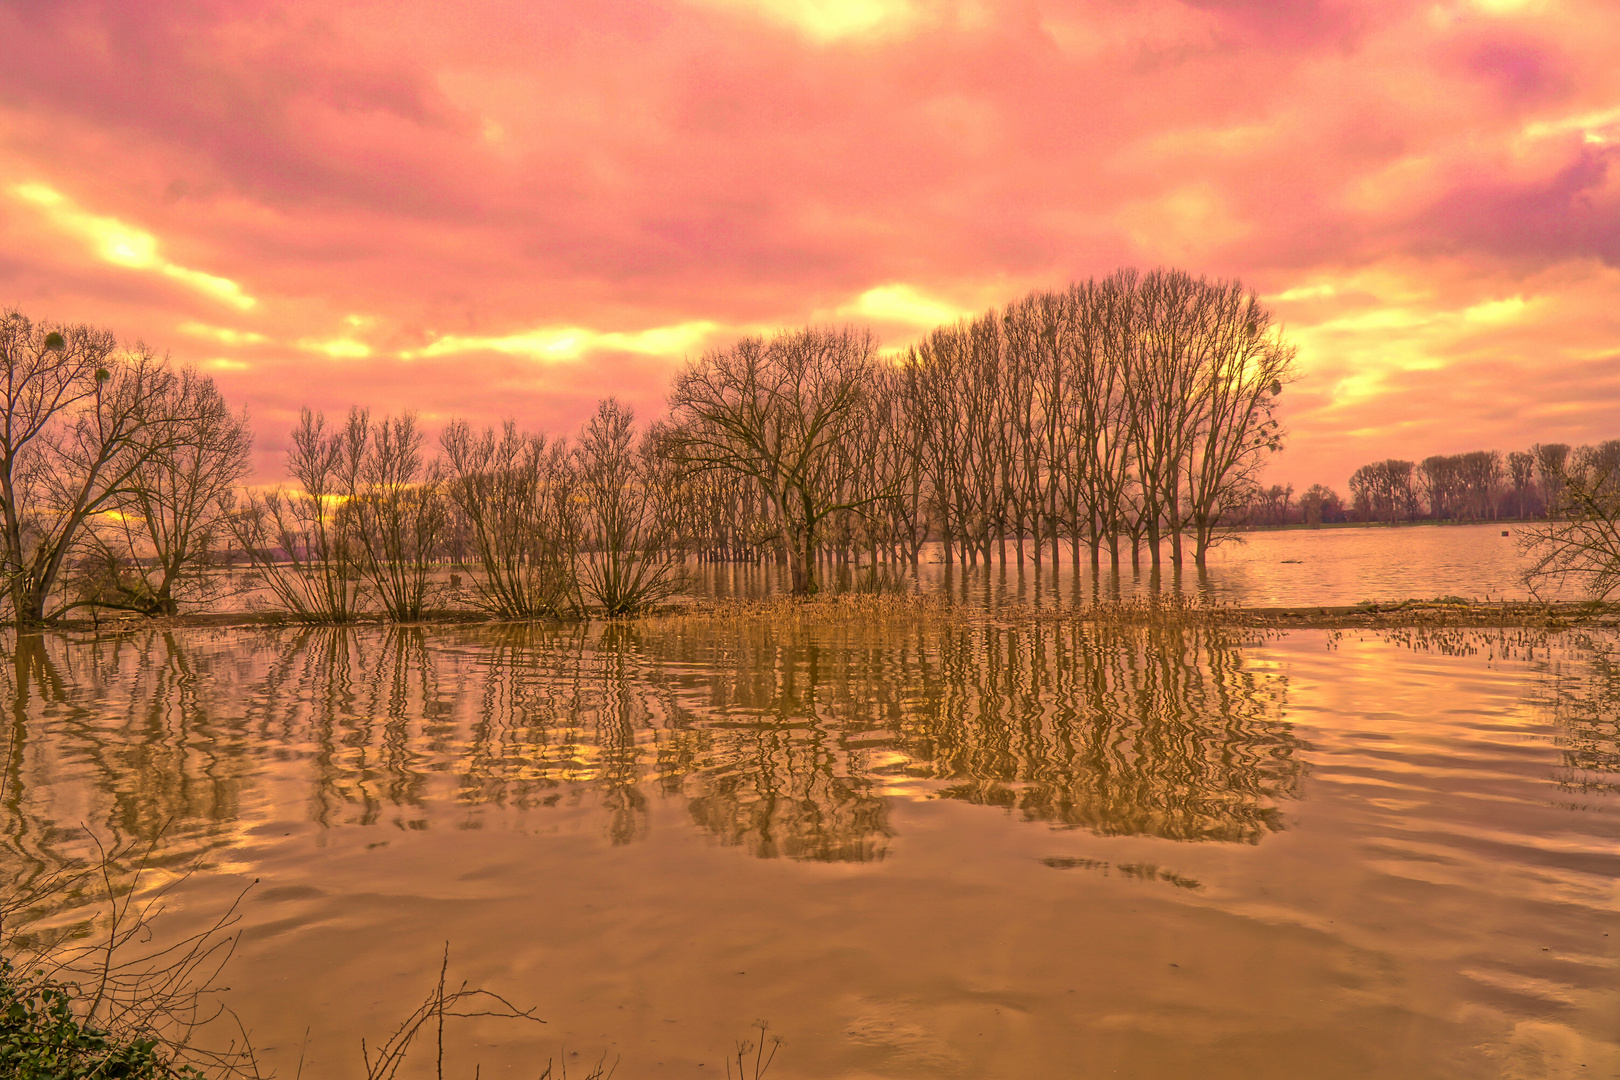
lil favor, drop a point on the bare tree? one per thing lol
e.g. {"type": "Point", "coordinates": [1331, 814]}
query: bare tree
{"type": "Point", "coordinates": [298, 540]}
{"type": "Point", "coordinates": [1270, 506]}
{"type": "Point", "coordinates": [629, 558]}
{"type": "Point", "coordinates": [1438, 476]}
{"type": "Point", "coordinates": [515, 491]}
{"type": "Point", "coordinates": [81, 421]}
{"type": "Point", "coordinates": [1101, 461]}
{"type": "Point", "coordinates": [776, 411]}
{"type": "Point", "coordinates": [1161, 398]}
{"type": "Point", "coordinates": [1521, 469]}
{"type": "Point", "coordinates": [1550, 461]}
{"type": "Point", "coordinates": [1480, 472]}
{"type": "Point", "coordinates": [1383, 490]}
{"type": "Point", "coordinates": [1320, 504]}
{"type": "Point", "coordinates": [159, 543]}
{"type": "Point", "coordinates": [935, 372]}
{"type": "Point", "coordinates": [1581, 547]}
{"type": "Point", "coordinates": [396, 516]}
{"type": "Point", "coordinates": [1243, 366]}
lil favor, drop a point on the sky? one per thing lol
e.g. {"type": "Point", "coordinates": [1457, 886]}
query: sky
{"type": "Point", "coordinates": [513, 209]}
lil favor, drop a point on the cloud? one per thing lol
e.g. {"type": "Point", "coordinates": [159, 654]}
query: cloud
{"type": "Point", "coordinates": [831, 20]}
{"type": "Point", "coordinates": [537, 205]}
{"type": "Point", "coordinates": [224, 334]}
{"type": "Point", "coordinates": [573, 342]}
{"type": "Point", "coordinates": [903, 304]}
{"type": "Point", "coordinates": [124, 245]}
{"type": "Point", "coordinates": [338, 348]}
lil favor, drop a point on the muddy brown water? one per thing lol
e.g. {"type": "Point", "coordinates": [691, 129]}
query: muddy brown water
{"type": "Point", "coordinates": [915, 848]}
{"type": "Point", "coordinates": [1329, 567]}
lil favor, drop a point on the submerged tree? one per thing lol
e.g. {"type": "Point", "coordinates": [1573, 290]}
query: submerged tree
{"type": "Point", "coordinates": [167, 525]}
{"type": "Point", "coordinates": [82, 420]}
{"type": "Point", "coordinates": [777, 412]}
{"type": "Point", "coordinates": [1581, 548]}
{"type": "Point", "coordinates": [630, 555]}
{"type": "Point", "coordinates": [396, 515]}
{"type": "Point", "coordinates": [515, 493]}
{"type": "Point", "coordinates": [296, 538]}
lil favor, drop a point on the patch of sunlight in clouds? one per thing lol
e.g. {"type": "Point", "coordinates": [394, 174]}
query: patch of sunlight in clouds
{"type": "Point", "coordinates": [1596, 128]}
{"type": "Point", "coordinates": [1381, 341]}
{"type": "Point", "coordinates": [830, 20]}
{"type": "Point", "coordinates": [571, 342]}
{"type": "Point", "coordinates": [225, 363]}
{"type": "Point", "coordinates": [1491, 312]}
{"type": "Point", "coordinates": [1354, 389]}
{"type": "Point", "coordinates": [222, 334]}
{"type": "Point", "coordinates": [344, 348]}
{"type": "Point", "coordinates": [1391, 318]}
{"type": "Point", "coordinates": [1560, 408]}
{"type": "Point", "coordinates": [1444, 16]}
{"type": "Point", "coordinates": [1497, 311]}
{"type": "Point", "coordinates": [125, 245]}
{"type": "Point", "coordinates": [1303, 292]}
{"type": "Point", "coordinates": [1508, 7]}
{"type": "Point", "coordinates": [901, 303]}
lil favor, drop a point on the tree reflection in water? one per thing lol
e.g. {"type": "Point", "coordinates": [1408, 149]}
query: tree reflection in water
{"type": "Point", "coordinates": [787, 739]}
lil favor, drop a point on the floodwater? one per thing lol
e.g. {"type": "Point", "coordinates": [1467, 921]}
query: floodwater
{"type": "Point", "coordinates": [1279, 568]}
{"type": "Point", "coordinates": [915, 847]}
{"type": "Point", "coordinates": [1294, 567]}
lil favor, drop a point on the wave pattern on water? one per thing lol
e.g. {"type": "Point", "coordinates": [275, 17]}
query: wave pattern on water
{"type": "Point", "coordinates": [1145, 846]}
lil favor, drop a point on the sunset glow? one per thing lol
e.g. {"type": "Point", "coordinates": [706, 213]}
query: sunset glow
{"type": "Point", "coordinates": [493, 210]}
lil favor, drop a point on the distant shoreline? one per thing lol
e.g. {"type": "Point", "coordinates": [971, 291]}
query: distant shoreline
{"type": "Point", "coordinates": [1299, 526]}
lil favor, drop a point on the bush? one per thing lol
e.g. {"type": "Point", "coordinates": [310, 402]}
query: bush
{"type": "Point", "coordinates": [42, 1037]}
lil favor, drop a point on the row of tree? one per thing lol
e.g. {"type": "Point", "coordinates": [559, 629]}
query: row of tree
{"type": "Point", "coordinates": [1481, 485]}
{"type": "Point", "coordinates": [543, 526]}
{"type": "Point", "coordinates": [1130, 412]}
{"type": "Point", "coordinates": [1127, 413]}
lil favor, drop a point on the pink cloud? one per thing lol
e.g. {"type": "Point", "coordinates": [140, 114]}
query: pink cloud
{"type": "Point", "coordinates": [492, 169]}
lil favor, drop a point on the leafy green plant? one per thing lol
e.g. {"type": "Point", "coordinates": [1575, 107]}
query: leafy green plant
{"type": "Point", "coordinates": [44, 1037]}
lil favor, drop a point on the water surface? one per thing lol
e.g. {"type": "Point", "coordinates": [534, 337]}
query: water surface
{"type": "Point", "coordinates": [1279, 568]}
{"type": "Point", "coordinates": [916, 848]}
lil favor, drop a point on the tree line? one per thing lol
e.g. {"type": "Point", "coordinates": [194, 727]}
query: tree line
{"type": "Point", "coordinates": [1480, 485]}
{"type": "Point", "coordinates": [1118, 418]}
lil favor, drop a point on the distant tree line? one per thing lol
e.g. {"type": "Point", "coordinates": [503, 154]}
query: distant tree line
{"type": "Point", "coordinates": [1127, 415]}
{"type": "Point", "coordinates": [1481, 485]}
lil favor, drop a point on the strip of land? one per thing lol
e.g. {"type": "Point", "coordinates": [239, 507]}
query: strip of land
{"type": "Point", "coordinates": [1446, 611]}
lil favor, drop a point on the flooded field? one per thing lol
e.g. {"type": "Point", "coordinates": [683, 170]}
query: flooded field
{"type": "Point", "coordinates": [1332, 566]}
{"type": "Point", "coordinates": [1258, 569]}
{"type": "Point", "coordinates": [916, 846]}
